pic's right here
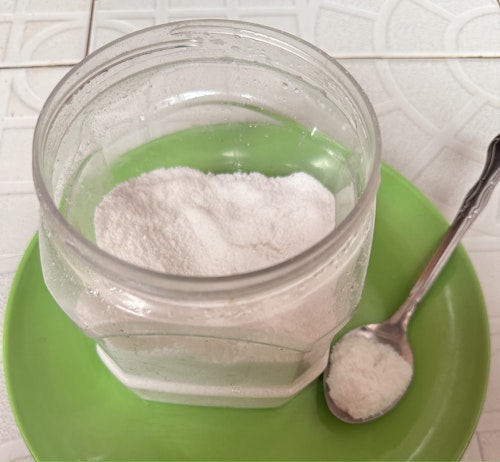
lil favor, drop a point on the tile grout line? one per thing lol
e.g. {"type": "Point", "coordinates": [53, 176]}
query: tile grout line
{"type": "Point", "coordinates": [89, 29]}
{"type": "Point", "coordinates": [10, 67]}
{"type": "Point", "coordinates": [415, 56]}
{"type": "Point", "coordinates": [338, 56]}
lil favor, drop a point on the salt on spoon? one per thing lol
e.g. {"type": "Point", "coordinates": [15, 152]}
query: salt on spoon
{"type": "Point", "coordinates": [370, 368]}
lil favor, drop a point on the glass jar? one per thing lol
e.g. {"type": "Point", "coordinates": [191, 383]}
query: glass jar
{"type": "Point", "coordinates": [282, 106]}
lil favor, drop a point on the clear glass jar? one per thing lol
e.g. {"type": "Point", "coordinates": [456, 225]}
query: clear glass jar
{"type": "Point", "coordinates": [250, 340]}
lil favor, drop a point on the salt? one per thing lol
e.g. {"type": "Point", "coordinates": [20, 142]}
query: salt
{"type": "Point", "coordinates": [366, 376]}
{"type": "Point", "coordinates": [182, 221]}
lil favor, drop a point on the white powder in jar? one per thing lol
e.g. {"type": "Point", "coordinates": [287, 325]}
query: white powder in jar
{"type": "Point", "coordinates": [366, 376]}
{"type": "Point", "coordinates": [182, 221]}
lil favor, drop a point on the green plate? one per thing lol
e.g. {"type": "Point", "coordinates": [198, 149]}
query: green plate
{"type": "Point", "coordinates": [68, 406]}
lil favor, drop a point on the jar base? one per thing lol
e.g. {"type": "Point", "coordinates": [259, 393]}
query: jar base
{"type": "Point", "coordinates": [206, 395]}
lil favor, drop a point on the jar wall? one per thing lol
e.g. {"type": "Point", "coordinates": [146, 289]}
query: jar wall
{"type": "Point", "coordinates": [242, 98]}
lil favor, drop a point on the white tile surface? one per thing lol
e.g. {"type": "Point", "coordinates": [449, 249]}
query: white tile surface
{"type": "Point", "coordinates": [341, 27]}
{"type": "Point", "coordinates": [23, 92]}
{"type": "Point", "coordinates": [430, 67]}
{"type": "Point", "coordinates": [409, 27]}
{"type": "Point", "coordinates": [437, 130]}
{"type": "Point", "coordinates": [43, 32]}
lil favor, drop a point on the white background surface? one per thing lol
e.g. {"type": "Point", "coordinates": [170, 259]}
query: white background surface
{"type": "Point", "coordinates": [430, 67]}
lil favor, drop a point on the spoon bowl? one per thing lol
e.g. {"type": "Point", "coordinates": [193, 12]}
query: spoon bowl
{"type": "Point", "coordinates": [393, 332]}
{"type": "Point", "coordinates": [386, 333]}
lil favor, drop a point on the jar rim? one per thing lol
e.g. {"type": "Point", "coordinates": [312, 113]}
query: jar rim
{"type": "Point", "coordinates": [121, 270]}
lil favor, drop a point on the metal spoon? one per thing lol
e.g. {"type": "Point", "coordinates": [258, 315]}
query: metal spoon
{"type": "Point", "coordinates": [394, 330]}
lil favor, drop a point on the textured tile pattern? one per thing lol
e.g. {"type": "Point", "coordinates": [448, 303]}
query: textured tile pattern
{"type": "Point", "coordinates": [23, 92]}
{"type": "Point", "coordinates": [430, 68]}
{"type": "Point", "coordinates": [437, 130]}
{"type": "Point", "coordinates": [43, 32]}
{"type": "Point", "coordinates": [409, 27]}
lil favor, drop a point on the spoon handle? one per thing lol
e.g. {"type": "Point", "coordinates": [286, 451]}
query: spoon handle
{"type": "Point", "coordinates": [473, 204]}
